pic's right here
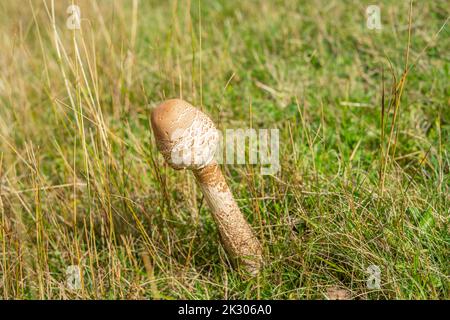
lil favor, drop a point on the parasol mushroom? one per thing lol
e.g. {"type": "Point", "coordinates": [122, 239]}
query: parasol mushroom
{"type": "Point", "coordinates": [187, 138]}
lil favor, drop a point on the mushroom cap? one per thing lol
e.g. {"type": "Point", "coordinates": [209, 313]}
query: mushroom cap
{"type": "Point", "coordinates": [186, 137]}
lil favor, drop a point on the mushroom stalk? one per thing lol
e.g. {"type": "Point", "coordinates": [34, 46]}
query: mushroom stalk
{"type": "Point", "coordinates": [236, 234]}
{"type": "Point", "coordinates": [188, 139]}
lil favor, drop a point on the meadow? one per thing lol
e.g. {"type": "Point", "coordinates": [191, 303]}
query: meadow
{"type": "Point", "coordinates": [363, 117]}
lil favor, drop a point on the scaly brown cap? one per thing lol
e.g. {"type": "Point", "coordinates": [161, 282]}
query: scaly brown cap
{"type": "Point", "coordinates": [185, 136]}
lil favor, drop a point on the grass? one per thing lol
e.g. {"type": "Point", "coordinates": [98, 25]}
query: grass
{"type": "Point", "coordinates": [363, 148]}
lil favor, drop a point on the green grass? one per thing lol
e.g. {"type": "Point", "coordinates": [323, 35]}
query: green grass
{"type": "Point", "coordinates": [81, 181]}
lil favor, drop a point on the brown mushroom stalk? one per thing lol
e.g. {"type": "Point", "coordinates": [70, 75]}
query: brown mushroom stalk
{"type": "Point", "coordinates": [188, 139]}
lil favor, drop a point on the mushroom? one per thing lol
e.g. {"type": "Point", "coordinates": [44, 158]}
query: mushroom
{"type": "Point", "coordinates": [188, 139]}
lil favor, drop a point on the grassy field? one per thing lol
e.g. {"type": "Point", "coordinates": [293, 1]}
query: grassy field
{"type": "Point", "coordinates": [364, 148]}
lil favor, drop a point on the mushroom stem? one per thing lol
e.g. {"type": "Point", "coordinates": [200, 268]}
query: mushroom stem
{"type": "Point", "coordinates": [236, 234]}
